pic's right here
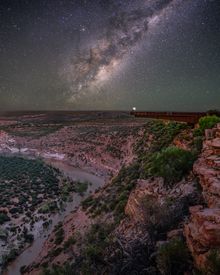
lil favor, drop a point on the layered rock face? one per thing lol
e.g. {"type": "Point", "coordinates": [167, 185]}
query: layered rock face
{"type": "Point", "coordinates": [155, 188]}
{"type": "Point", "coordinates": [203, 231]}
{"type": "Point", "coordinates": [153, 210]}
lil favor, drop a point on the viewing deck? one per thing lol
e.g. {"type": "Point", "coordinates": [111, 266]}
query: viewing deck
{"type": "Point", "coordinates": [188, 117]}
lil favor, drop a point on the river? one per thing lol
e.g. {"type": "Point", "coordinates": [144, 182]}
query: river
{"type": "Point", "coordinates": [30, 254]}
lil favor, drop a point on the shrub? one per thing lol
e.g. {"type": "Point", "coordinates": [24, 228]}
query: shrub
{"type": "Point", "coordinates": [157, 218]}
{"type": "Point", "coordinates": [208, 122]}
{"type": "Point", "coordinates": [23, 269]}
{"type": "Point", "coordinates": [3, 234]}
{"type": "Point", "coordinates": [197, 132]}
{"type": "Point", "coordinates": [213, 264]}
{"type": "Point", "coordinates": [69, 242]}
{"type": "Point", "coordinates": [59, 236]}
{"type": "Point", "coordinates": [93, 252]}
{"type": "Point", "coordinates": [81, 187]}
{"type": "Point", "coordinates": [96, 241]}
{"type": "Point", "coordinates": [164, 133]}
{"type": "Point", "coordinates": [172, 163]}
{"type": "Point", "coordinates": [13, 253]}
{"type": "Point", "coordinates": [4, 218]}
{"type": "Point", "coordinates": [29, 238]}
{"type": "Point", "coordinates": [49, 207]}
{"type": "Point", "coordinates": [55, 252]}
{"type": "Point", "coordinates": [197, 143]}
{"type": "Point", "coordinates": [87, 202]}
{"type": "Point", "coordinates": [66, 269]}
{"type": "Point", "coordinates": [173, 258]}
{"type": "Point", "coordinates": [119, 208]}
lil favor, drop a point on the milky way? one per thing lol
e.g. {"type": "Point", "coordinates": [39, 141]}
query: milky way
{"type": "Point", "coordinates": [124, 30]}
{"type": "Point", "coordinates": [152, 54]}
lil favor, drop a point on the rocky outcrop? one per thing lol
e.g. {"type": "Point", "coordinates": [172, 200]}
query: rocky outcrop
{"type": "Point", "coordinates": [203, 231]}
{"type": "Point", "coordinates": [155, 188]}
{"type": "Point", "coordinates": [152, 210]}
{"type": "Point", "coordinates": [144, 188]}
{"type": "Point", "coordinates": [184, 139]}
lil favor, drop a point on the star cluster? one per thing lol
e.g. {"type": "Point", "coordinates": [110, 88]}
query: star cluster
{"type": "Point", "coordinates": [110, 54]}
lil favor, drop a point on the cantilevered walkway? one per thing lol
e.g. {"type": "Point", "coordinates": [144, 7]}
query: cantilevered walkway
{"type": "Point", "coordinates": [188, 117]}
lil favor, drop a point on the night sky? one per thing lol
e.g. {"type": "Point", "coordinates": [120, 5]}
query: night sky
{"type": "Point", "coordinates": [110, 54]}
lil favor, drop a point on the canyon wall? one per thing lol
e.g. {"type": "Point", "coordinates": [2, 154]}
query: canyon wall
{"type": "Point", "coordinates": [203, 230]}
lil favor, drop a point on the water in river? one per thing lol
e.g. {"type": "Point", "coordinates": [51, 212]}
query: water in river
{"type": "Point", "coordinates": [31, 253]}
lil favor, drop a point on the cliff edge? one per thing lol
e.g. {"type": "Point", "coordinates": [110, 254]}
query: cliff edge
{"type": "Point", "coordinates": [203, 230]}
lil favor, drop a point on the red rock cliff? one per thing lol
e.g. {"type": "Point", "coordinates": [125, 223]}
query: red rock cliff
{"type": "Point", "coordinates": [203, 231]}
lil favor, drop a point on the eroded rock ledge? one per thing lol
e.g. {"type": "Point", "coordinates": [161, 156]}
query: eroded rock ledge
{"type": "Point", "coordinates": [203, 231]}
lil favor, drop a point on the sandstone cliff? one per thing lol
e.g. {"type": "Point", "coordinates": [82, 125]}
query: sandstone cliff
{"type": "Point", "coordinates": [203, 230]}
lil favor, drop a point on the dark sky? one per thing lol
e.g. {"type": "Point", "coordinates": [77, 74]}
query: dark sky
{"type": "Point", "coordinates": [110, 54]}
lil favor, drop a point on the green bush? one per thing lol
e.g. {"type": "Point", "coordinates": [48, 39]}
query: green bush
{"type": "Point", "coordinates": [49, 207]}
{"type": "Point", "coordinates": [173, 258]}
{"type": "Point", "coordinates": [197, 132]}
{"type": "Point", "coordinates": [172, 163]}
{"type": "Point", "coordinates": [81, 187]}
{"type": "Point", "coordinates": [208, 122]}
